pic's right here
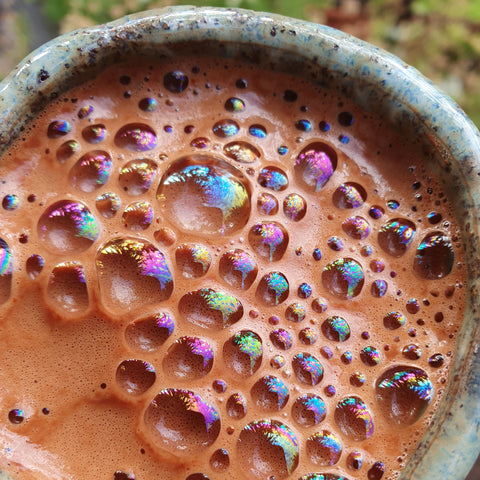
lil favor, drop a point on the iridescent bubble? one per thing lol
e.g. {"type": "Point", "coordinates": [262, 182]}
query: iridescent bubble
{"type": "Point", "coordinates": [137, 137]}
{"type": "Point", "coordinates": [413, 306]}
{"type": "Point", "coordinates": [258, 131]}
{"type": "Point", "coordinates": [208, 308]}
{"type": "Point", "coordinates": [238, 269]}
{"type": "Point", "coordinates": [205, 195]}
{"type": "Point", "coordinates": [277, 361]}
{"type": "Point", "coordinates": [376, 212]}
{"type": "Point", "coordinates": [200, 142]}
{"type": "Point", "coordinates": [282, 150]}
{"type": "Point", "coordinates": [94, 133]}
{"type": "Point", "coordinates": [336, 244]}
{"type": "Point", "coordinates": [188, 358]}
{"type": "Point", "coordinates": [370, 356]}
{"type": "Point", "coordinates": [67, 227]}
{"type": "Point", "coordinates": [295, 312]}
{"type": "Point", "coordinates": [34, 264]}
{"type": "Point", "coordinates": [435, 257]}
{"type": "Point", "coordinates": [85, 111]}
{"type": "Point", "coordinates": [220, 460]}
{"type": "Point", "coordinates": [308, 336]}
{"type": "Point", "coordinates": [303, 125]}
{"type": "Point", "coordinates": [225, 128]}
{"type": "Point", "coordinates": [269, 240]}
{"type": "Point", "coordinates": [243, 353]}
{"type": "Point", "coordinates": [349, 195]}
{"type": "Point", "coordinates": [220, 386]}
{"type": "Point", "coordinates": [412, 352]}
{"type": "Point", "coordinates": [16, 416]}
{"type": "Point", "coordinates": [393, 204]}
{"type": "Point", "coordinates": [322, 476]}
{"type": "Point", "coordinates": [281, 339]}
{"type": "Point", "coordinates": [149, 333]}
{"type": "Point", "coordinates": [137, 216]}
{"type": "Point", "coordinates": [434, 218]}
{"type": "Point", "coordinates": [324, 448]}
{"type": "Point", "coordinates": [181, 423]}
{"type": "Point", "coordinates": [6, 270]}
{"type": "Point", "coordinates": [175, 81]}
{"type": "Point", "coordinates": [376, 471]}
{"type": "Point", "coordinates": [377, 266]}
{"type": "Point", "coordinates": [273, 289]}
{"type": "Point", "coordinates": [270, 393]}
{"type": "Point", "coordinates": [304, 290]}
{"type": "Point", "coordinates": [354, 418]}
{"type": "Point", "coordinates": [10, 202]}
{"type": "Point", "coordinates": [309, 410]}
{"type": "Point", "coordinates": [436, 360]}
{"type": "Point", "coordinates": [107, 204]}
{"type": "Point", "coordinates": [347, 357]}
{"type": "Point", "coordinates": [67, 150]}
{"type": "Point", "coordinates": [58, 128]}
{"type": "Point", "coordinates": [92, 171]}
{"type": "Point", "coordinates": [136, 176]}
{"type": "Point", "coordinates": [234, 105]}
{"type": "Point", "coordinates": [67, 287]}
{"type": "Point", "coordinates": [148, 104]}
{"type": "Point", "coordinates": [343, 278]}
{"type": "Point", "coordinates": [267, 204]}
{"type": "Point", "coordinates": [132, 273]}
{"type": "Point", "coordinates": [396, 236]}
{"type": "Point", "coordinates": [121, 475]}
{"type": "Point", "coordinates": [192, 260]}
{"type": "Point", "coordinates": [308, 370]}
{"type": "Point", "coordinates": [324, 126]}
{"type": "Point", "coordinates": [241, 152]}
{"type": "Point", "coordinates": [355, 461]}
{"type": "Point", "coordinates": [237, 406]}
{"type": "Point", "coordinates": [294, 207]}
{"type": "Point", "coordinates": [269, 449]}
{"type": "Point", "coordinates": [356, 227]}
{"type": "Point", "coordinates": [273, 178]}
{"type": "Point", "coordinates": [315, 165]}
{"type": "Point", "coordinates": [394, 320]}
{"type": "Point", "coordinates": [379, 288]}
{"type": "Point", "coordinates": [403, 394]}
{"type": "Point", "coordinates": [135, 376]}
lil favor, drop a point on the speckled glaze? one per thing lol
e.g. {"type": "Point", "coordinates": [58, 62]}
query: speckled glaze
{"type": "Point", "coordinates": [373, 78]}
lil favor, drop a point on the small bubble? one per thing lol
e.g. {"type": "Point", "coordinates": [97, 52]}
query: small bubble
{"type": "Point", "coordinates": [192, 260]}
{"type": "Point", "coordinates": [241, 152]}
{"type": "Point", "coordinates": [434, 218]}
{"type": "Point", "coordinates": [349, 195]}
{"type": "Point", "coordinates": [309, 410]}
{"type": "Point", "coordinates": [273, 289]}
{"type": "Point", "coordinates": [413, 306]}
{"type": "Point", "coordinates": [85, 111]}
{"type": "Point", "coordinates": [270, 393]}
{"type": "Point", "coordinates": [330, 391]}
{"type": "Point", "coordinates": [58, 128]}
{"type": "Point", "coordinates": [165, 236]}
{"type": "Point", "coordinates": [281, 339]}
{"type": "Point", "coordinates": [435, 257]}
{"type": "Point", "coordinates": [243, 353]}
{"type": "Point", "coordinates": [135, 376]}
{"type": "Point", "coordinates": [294, 207]}
{"type": "Point", "coordinates": [282, 150]}
{"type": "Point", "coordinates": [336, 328]}
{"type": "Point", "coordinates": [436, 360]}
{"type": "Point", "coordinates": [394, 320]}
{"type": "Point", "coordinates": [237, 406]}
{"type": "Point", "coordinates": [393, 204]}
{"type": "Point", "coordinates": [343, 278]}
{"type": "Point", "coordinates": [354, 461]}
{"type": "Point", "coordinates": [366, 251]}
{"type": "Point", "coordinates": [241, 83]}
{"type": "Point", "coordinates": [175, 81]}
{"type": "Point", "coordinates": [148, 104]}
{"type": "Point", "coordinates": [344, 139]}
{"type": "Point", "coordinates": [303, 125]}
{"type": "Point", "coordinates": [35, 264]}
{"type": "Point", "coordinates": [308, 370]}
{"type": "Point", "coordinates": [396, 236]}
{"type": "Point", "coordinates": [324, 448]}
{"type": "Point", "coordinates": [379, 288]}
{"type": "Point", "coordinates": [269, 240]}
{"type": "Point", "coordinates": [324, 126]}
{"type": "Point", "coordinates": [345, 119]}
{"type": "Point", "coordinates": [290, 95]}
{"type": "Point", "coordinates": [307, 336]}
{"type": "Point", "coordinates": [10, 202]}
{"type": "Point", "coordinates": [319, 305]}
{"type": "Point", "coordinates": [267, 204]}
{"type": "Point", "coordinates": [16, 416]}
{"type": "Point", "coordinates": [336, 244]}
{"type": "Point", "coordinates": [220, 386]}
{"type": "Point", "coordinates": [376, 212]}
{"type": "Point", "coordinates": [356, 227]}
{"type": "Point", "coordinates": [317, 254]}
{"type": "Point", "coordinates": [94, 133]}
{"type": "Point", "coordinates": [238, 269]}
{"type": "Point", "coordinates": [137, 137]}
{"type": "Point", "coordinates": [370, 356]}
{"type": "Point", "coordinates": [149, 333]}
{"type": "Point", "coordinates": [136, 176]}
{"type": "Point", "coordinates": [304, 290]}
{"type": "Point", "coordinates": [200, 142]}
{"type": "Point", "coordinates": [273, 178]}
{"type": "Point", "coordinates": [220, 460]}
{"type": "Point", "coordinates": [225, 128]}
{"type": "Point", "coordinates": [67, 150]}
{"type": "Point", "coordinates": [412, 352]}
{"type": "Point", "coordinates": [234, 105]}
{"type": "Point", "coordinates": [258, 131]}
{"type": "Point", "coordinates": [91, 171]}
{"type": "Point", "coordinates": [137, 216]}
{"type": "Point", "coordinates": [376, 471]}
{"type": "Point", "coordinates": [295, 312]}
{"type": "Point", "coordinates": [347, 357]}
{"type": "Point", "coordinates": [354, 418]}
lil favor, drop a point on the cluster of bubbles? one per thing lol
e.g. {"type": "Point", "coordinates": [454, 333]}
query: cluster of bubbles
{"type": "Point", "coordinates": [205, 195]}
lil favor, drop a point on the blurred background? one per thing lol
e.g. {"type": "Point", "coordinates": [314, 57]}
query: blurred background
{"type": "Point", "coordinates": [441, 38]}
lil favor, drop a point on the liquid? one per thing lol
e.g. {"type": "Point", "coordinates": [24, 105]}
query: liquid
{"type": "Point", "coordinates": [210, 271]}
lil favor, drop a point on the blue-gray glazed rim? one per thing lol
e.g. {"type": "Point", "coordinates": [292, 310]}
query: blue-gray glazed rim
{"type": "Point", "coordinates": [373, 78]}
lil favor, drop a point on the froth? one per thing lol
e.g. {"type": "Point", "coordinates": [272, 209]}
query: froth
{"type": "Point", "coordinates": [221, 271]}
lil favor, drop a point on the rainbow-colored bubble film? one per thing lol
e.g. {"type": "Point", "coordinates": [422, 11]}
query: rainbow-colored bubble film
{"type": "Point", "coordinates": [315, 165]}
{"type": "Point", "coordinates": [270, 393]}
{"type": "Point", "coordinates": [6, 259]}
{"type": "Point", "coordinates": [435, 257]}
{"type": "Point", "coordinates": [250, 344]}
{"type": "Point", "coordinates": [273, 178]}
{"type": "Point", "coordinates": [343, 278]}
{"type": "Point", "coordinates": [307, 369]}
{"type": "Point", "coordinates": [354, 418]}
{"type": "Point", "coordinates": [273, 289]}
{"type": "Point", "coordinates": [324, 448]}
{"type": "Point", "coordinates": [137, 137]}
{"type": "Point", "coordinates": [269, 240]}
{"type": "Point", "coordinates": [241, 152]}
{"type": "Point", "coordinates": [238, 268]}
{"type": "Point", "coordinates": [396, 236]}
{"type": "Point", "coordinates": [309, 409]}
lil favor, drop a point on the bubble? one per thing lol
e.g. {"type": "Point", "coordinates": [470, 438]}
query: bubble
{"type": "Point", "coordinates": [412, 352]}
{"type": "Point", "coordinates": [273, 178]}
{"type": "Point", "coordinates": [137, 137]}
{"type": "Point", "coordinates": [376, 471]}
{"type": "Point", "coordinates": [192, 260]}
{"type": "Point", "coordinates": [317, 254]}
{"type": "Point", "coordinates": [258, 131]}
{"type": "Point", "coordinates": [322, 476]}
{"type": "Point", "coordinates": [200, 142]}
{"type": "Point", "coordinates": [376, 212]}
{"type": "Point", "coordinates": [35, 264]}
{"type": "Point", "coordinates": [356, 227]}
{"type": "Point", "coordinates": [355, 461]}
{"type": "Point", "coordinates": [67, 287]}
{"type": "Point", "coordinates": [67, 227]}
{"type": "Point", "coordinates": [243, 353]}
{"type": "Point", "coordinates": [238, 269]}
{"type": "Point", "coordinates": [269, 449]}
{"type": "Point", "coordinates": [435, 257]}
{"type": "Point", "coordinates": [225, 128]}
{"type": "Point", "coordinates": [370, 356]}
{"type": "Point", "coordinates": [267, 204]}
{"type": "Point", "coordinates": [119, 475]}
{"type": "Point", "coordinates": [324, 448]}
{"type": "Point", "coordinates": [205, 195]}
{"type": "Point", "coordinates": [314, 166]}
{"type": "Point", "coordinates": [94, 133]}
{"type": "Point", "coordinates": [241, 152]}
{"type": "Point", "coordinates": [175, 81]}
{"type": "Point", "coordinates": [295, 312]}
{"type": "Point", "coordinates": [413, 306]}
{"type": "Point", "coordinates": [181, 422]}
{"type": "Point", "coordinates": [345, 119]}
{"type": "Point", "coordinates": [220, 460]}
{"type": "Point", "coordinates": [281, 339]}
{"type": "Point", "coordinates": [394, 320]}
{"type": "Point", "coordinates": [237, 406]}
{"type": "Point", "coordinates": [135, 376]}
{"type": "Point", "coordinates": [6, 270]}
{"type": "Point", "coordinates": [307, 369]}
{"type": "Point", "coordinates": [58, 128]}
{"type": "Point", "coordinates": [91, 171]}
{"type": "Point", "coordinates": [85, 111]}
{"type": "Point", "coordinates": [67, 150]}
{"type": "Point", "coordinates": [403, 393]}
{"type": "Point", "coordinates": [294, 207]}
{"type": "Point", "coordinates": [304, 290]}
{"type": "Point", "coordinates": [137, 216]}
{"type": "Point", "coordinates": [303, 125]}
{"type": "Point", "coordinates": [396, 236]}
{"type": "Point", "coordinates": [309, 410]}
{"type": "Point", "coordinates": [349, 195]}
{"type": "Point", "coordinates": [234, 105]}
{"type": "Point", "coordinates": [16, 416]}
{"type": "Point", "coordinates": [208, 308]}
{"type": "Point", "coordinates": [307, 336]}
{"type": "Point", "coordinates": [354, 419]}
{"type": "Point", "coordinates": [436, 360]}
{"type": "Point", "coordinates": [282, 150]}
{"type": "Point", "coordinates": [165, 236]}
{"type": "Point", "coordinates": [136, 176]}
{"type": "Point", "coordinates": [148, 104]}
{"type": "Point", "coordinates": [343, 278]}
{"type": "Point", "coordinates": [393, 204]}
{"type": "Point", "coordinates": [220, 386]}
{"type": "Point", "coordinates": [269, 240]}
{"type": "Point", "coordinates": [324, 126]}
{"type": "Point", "coordinates": [132, 273]}
{"type": "Point", "coordinates": [149, 333]}
{"type": "Point", "coordinates": [10, 202]}
{"type": "Point", "coordinates": [107, 204]}
{"type": "Point", "coordinates": [188, 358]}
{"type": "Point", "coordinates": [197, 476]}
{"type": "Point", "coordinates": [347, 357]}
{"type": "Point", "coordinates": [379, 288]}
{"type": "Point", "coordinates": [290, 96]}
{"type": "Point", "coordinates": [270, 393]}
{"type": "Point", "coordinates": [434, 218]}
{"type": "Point", "coordinates": [273, 289]}
{"type": "Point", "coordinates": [336, 244]}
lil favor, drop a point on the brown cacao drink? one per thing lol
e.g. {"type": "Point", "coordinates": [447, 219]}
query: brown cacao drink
{"type": "Point", "coordinates": [210, 271]}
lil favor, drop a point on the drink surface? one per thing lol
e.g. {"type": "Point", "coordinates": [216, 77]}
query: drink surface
{"type": "Point", "coordinates": [210, 270]}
